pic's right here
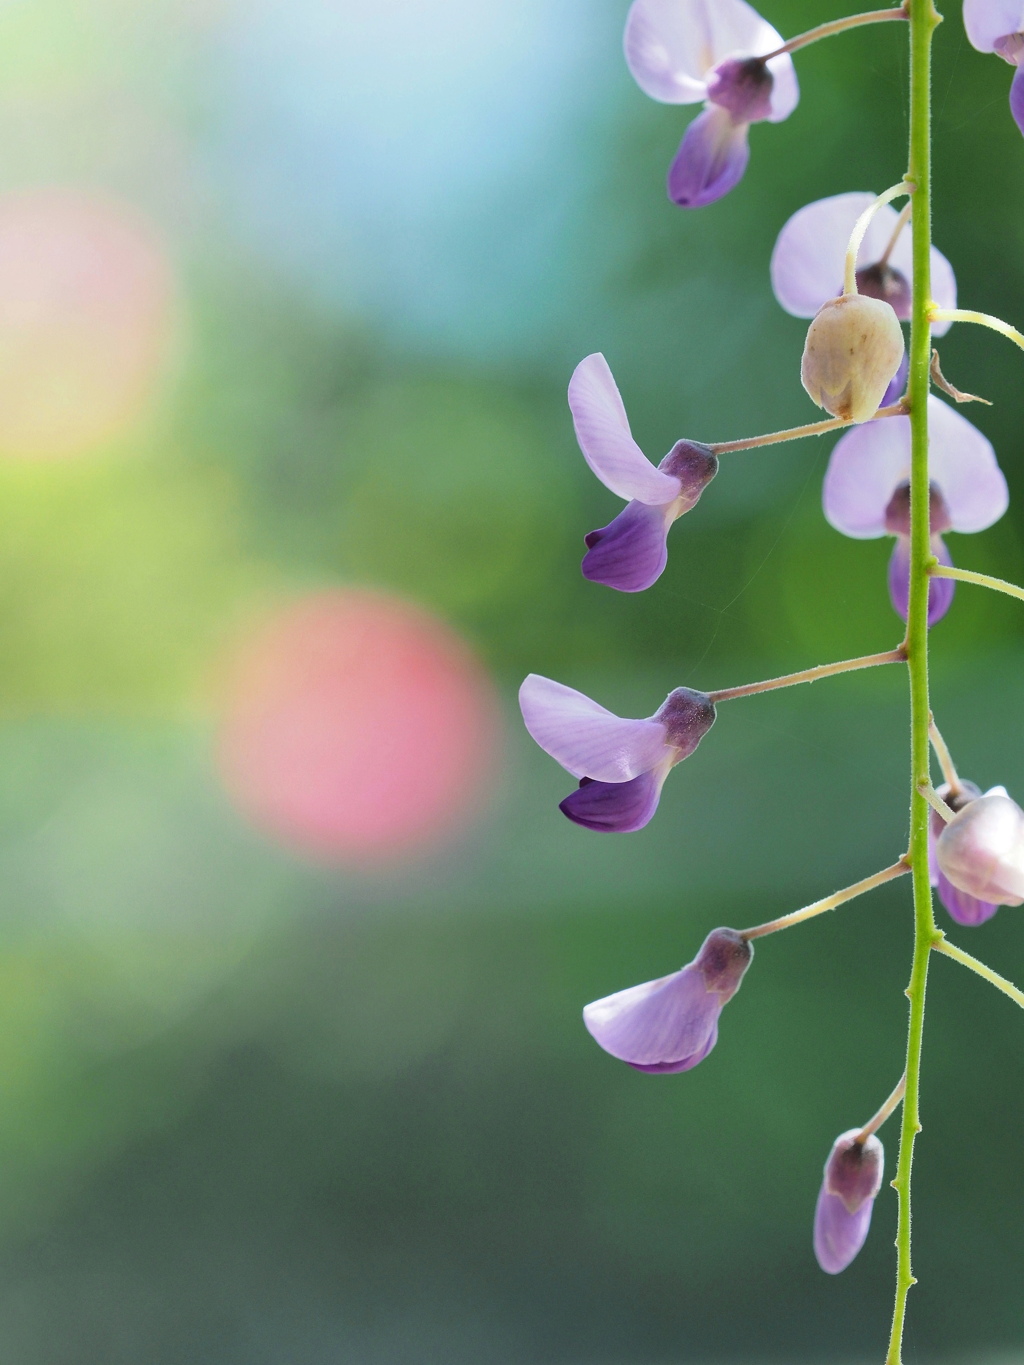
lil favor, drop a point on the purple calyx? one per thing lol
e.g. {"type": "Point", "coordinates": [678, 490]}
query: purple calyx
{"type": "Point", "coordinates": [743, 86]}
{"type": "Point", "coordinates": [884, 282]}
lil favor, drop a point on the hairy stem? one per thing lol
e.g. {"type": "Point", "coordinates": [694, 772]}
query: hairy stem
{"type": "Point", "coordinates": [873, 1124]}
{"type": "Point", "coordinates": [943, 945]}
{"type": "Point", "coordinates": [797, 433]}
{"type": "Point", "coordinates": [859, 229]}
{"type": "Point", "coordinates": [807, 675]}
{"type": "Point", "coordinates": [982, 319]}
{"type": "Point", "coordinates": [821, 907]}
{"type": "Point", "coordinates": [923, 21]}
{"type": "Point", "coordinates": [829, 30]}
{"type": "Point", "coordinates": [945, 758]}
{"type": "Point", "coordinates": [983, 580]}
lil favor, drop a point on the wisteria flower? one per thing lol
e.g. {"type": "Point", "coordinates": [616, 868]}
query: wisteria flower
{"type": "Point", "coordinates": [964, 908]}
{"type": "Point", "coordinates": [621, 764]}
{"type": "Point", "coordinates": [867, 491]}
{"type": "Point", "coordinates": [672, 1024]}
{"type": "Point", "coordinates": [684, 51]}
{"type": "Point", "coordinates": [853, 1177]}
{"type": "Point", "coordinates": [807, 262]}
{"type": "Point", "coordinates": [998, 26]}
{"type": "Point", "coordinates": [630, 553]}
{"type": "Point", "coordinates": [981, 850]}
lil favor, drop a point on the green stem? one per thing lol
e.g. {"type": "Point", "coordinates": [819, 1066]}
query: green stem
{"type": "Point", "coordinates": [923, 21]}
{"type": "Point", "coordinates": [983, 580]}
{"type": "Point", "coordinates": [943, 945]}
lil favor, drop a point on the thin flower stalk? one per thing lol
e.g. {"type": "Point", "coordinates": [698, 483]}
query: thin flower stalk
{"type": "Point", "coordinates": [943, 945]}
{"type": "Point", "coordinates": [935, 801]}
{"type": "Point", "coordinates": [848, 893]}
{"type": "Point", "coordinates": [886, 1111]}
{"type": "Point", "coordinates": [982, 320]}
{"type": "Point", "coordinates": [945, 758]}
{"type": "Point", "coordinates": [982, 580]}
{"type": "Point", "coordinates": [899, 409]}
{"type": "Point", "coordinates": [835, 26]}
{"type": "Point", "coordinates": [808, 675]}
{"type": "Point", "coordinates": [861, 227]}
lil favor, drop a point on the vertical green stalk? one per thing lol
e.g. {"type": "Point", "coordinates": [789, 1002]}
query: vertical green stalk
{"type": "Point", "coordinates": [923, 21]}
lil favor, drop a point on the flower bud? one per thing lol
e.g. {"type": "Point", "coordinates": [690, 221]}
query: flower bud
{"type": "Point", "coordinates": [981, 850]}
{"type": "Point", "coordinates": [853, 1176]}
{"type": "Point", "coordinates": [963, 908]}
{"type": "Point", "coordinates": [854, 347]}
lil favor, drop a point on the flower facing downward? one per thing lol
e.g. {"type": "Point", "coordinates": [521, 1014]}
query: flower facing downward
{"type": "Point", "coordinates": [672, 1024]}
{"type": "Point", "coordinates": [621, 764]}
{"type": "Point", "coordinates": [631, 552]}
{"type": "Point", "coordinates": [852, 353]}
{"type": "Point", "coordinates": [866, 492]}
{"type": "Point", "coordinates": [998, 26]}
{"type": "Point", "coordinates": [965, 909]}
{"type": "Point", "coordinates": [981, 850]}
{"type": "Point", "coordinates": [853, 1176]}
{"type": "Point", "coordinates": [684, 51]}
{"type": "Point", "coordinates": [809, 255]}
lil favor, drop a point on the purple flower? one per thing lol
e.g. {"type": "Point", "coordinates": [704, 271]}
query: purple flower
{"type": "Point", "coordinates": [965, 909]}
{"type": "Point", "coordinates": [684, 51]}
{"type": "Point", "coordinates": [630, 553]}
{"type": "Point", "coordinates": [853, 1176]}
{"type": "Point", "coordinates": [867, 484]}
{"type": "Point", "coordinates": [998, 26]}
{"type": "Point", "coordinates": [672, 1024]}
{"type": "Point", "coordinates": [981, 850]}
{"type": "Point", "coordinates": [621, 764]}
{"type": "Point", "coordinates": [807, 263]}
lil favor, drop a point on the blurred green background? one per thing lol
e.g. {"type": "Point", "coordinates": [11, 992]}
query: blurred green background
{"type": "Point", "coordinates": [289, 297]}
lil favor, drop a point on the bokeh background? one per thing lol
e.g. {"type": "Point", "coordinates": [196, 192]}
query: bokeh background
{"type": "Point", "coordinates": [295, 940]}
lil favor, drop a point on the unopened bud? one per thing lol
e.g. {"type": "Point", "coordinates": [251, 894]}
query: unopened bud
{"type": "Point", "coordinates": [981, 850]}
{"type": "Point", "coordinates": [853, 1177]}
{"type": "Point", "coordinates": [854, 347]}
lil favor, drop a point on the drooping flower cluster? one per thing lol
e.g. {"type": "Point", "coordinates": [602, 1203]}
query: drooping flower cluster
{"type": "Point", "coordinates": [846, 263]}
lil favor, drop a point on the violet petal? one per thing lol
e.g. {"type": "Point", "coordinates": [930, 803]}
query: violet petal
{"type": "Point", "coordinates": [839, 1234]}
{"type": "Point", "coordinates": [898, 384]}
{"type": "Point", "coordinates": [1017, 98]}
{"type": "Point", "coordinates": [986, 21]}
{"type": "Point", "coordinates": [672, 45]}
{"type": "Point", "coordinates": [671, 1024]}
{"type": "Point", "coordinates": [630, 553]}
{"type": "Point", "coordinates": [615, 807]}
{"type": "Point", "coordinates": [809, 254]}
{"type": "Point", "coordinates": [586, 739]}
{"type": "Point", "coordinates": [743, 86]}
{"type": "Point", "coordinates": [940, 590]}
{"type": "Point", "coordinates": [602, 429]}
{"type": "Point", "coordinates": [964, 908]}
{"type": "Point", "coordinates": [963, 466]}
{"type": "Point", "coordinates": [710, 161]}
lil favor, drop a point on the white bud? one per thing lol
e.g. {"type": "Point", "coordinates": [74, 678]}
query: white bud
{"type": "Point", "coordinates": [981, 850]}
{"type": "Point", "coordinates": [854, 347]}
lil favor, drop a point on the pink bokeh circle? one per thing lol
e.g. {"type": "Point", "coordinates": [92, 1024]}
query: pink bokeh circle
{"type": "Point", "coordinates": [356, 727]}
{"type": "Point", "coordinates": [85, 319]}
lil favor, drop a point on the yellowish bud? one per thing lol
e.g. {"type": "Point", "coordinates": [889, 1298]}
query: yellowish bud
{"type": "Point", "coordinates": [854, 347]}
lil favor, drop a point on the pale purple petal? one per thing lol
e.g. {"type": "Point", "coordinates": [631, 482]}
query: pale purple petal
{"type": "Point", "coordinates": [986, 21]}
{"type": "Point", "coordinates": [839, 1234]}
{"type": "Point", "coordinates": [586, 739]}
{"type": "Point", "coordinates": [629, 553]}
{"type": "Point", "coordinates": [602, 430]}
{"type": "Point", "coordinates": [965, 909]}
{"type": "Point", "coordinates": [807, 262]}
{"type": "Point", "coordinates": [616, 807]}
{"type": "Point", "coordinates": [671, 1024]}
{"type": "Point", "coordinates": [710, 161]}
{"type": "Point", "coordinates": [898, 383]}
{"type": "Point", "coordinates": [1016, 100]}
{"type": "Point", "coordinates": [962, 465]}
{"type": "Point", "coordinates": [940, 590]}
{"type": "Point", "coordinates": [672, 45]}
{"type": "Point", "coordinates": [866, 467]}
{"type": "Point", "coordinates": [785, 89]}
